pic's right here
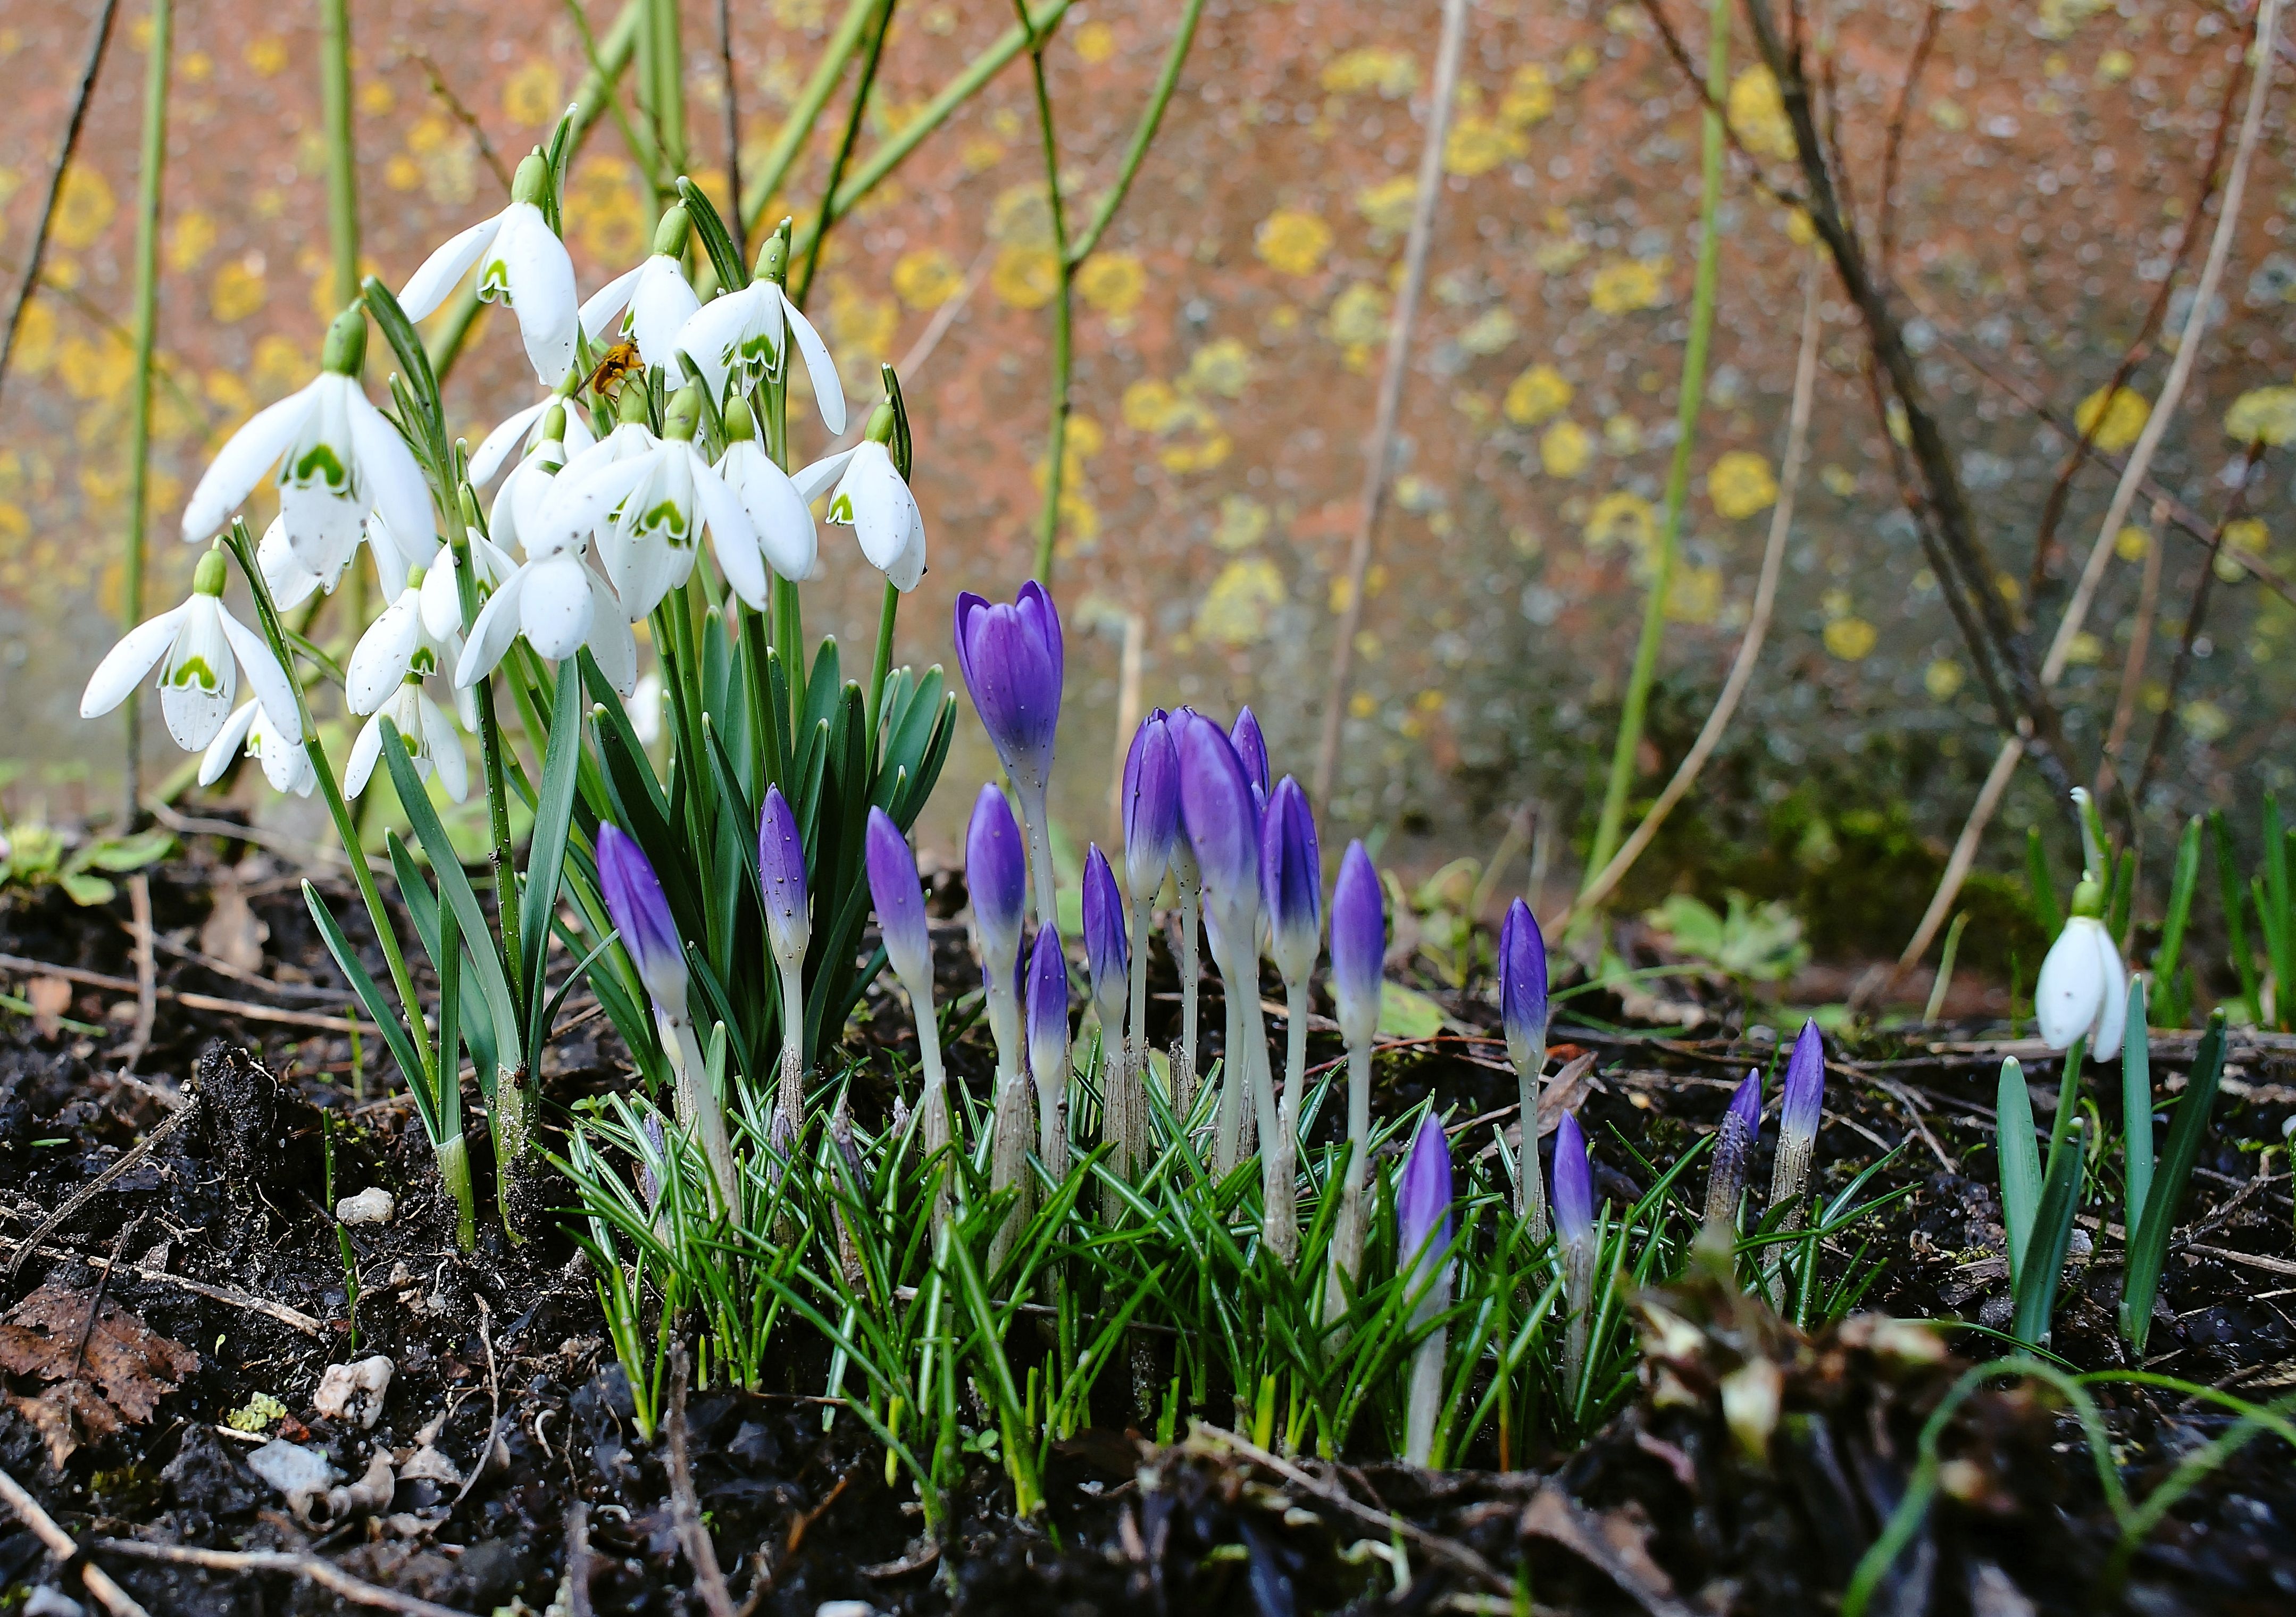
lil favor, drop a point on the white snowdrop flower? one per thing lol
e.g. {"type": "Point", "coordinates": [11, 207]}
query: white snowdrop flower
{"type": "Point", "coordinates": [522, 264]}
{"type": "Point", "coordinates": [743, 337]}
{"type": "Point", "coordinates": [403, 644]}
{"type": "Point", "coordinates": [2083, 991]}
{"type": "Point", "coordinates": [870, 499]}
{"type": "Point", "coordinates": [780, 516]}
{"type": "Point", "coordinates": [432, 742]}
{"type": "Point", "coordinates": [647, 499]}
{"type": "Point", "coordinates": [339, 458]}
{"type": "Point", "coordinates": [521, 432]}
{"type": "Point", "coordinates": [643, 709]}
{"type": "Point", "coordinates": [655, 295]}
{"type": "Point", "coordinates": [285, 763]}
{"type": "Point", "coordinates": [198, 647]}
{"type": "Point", "coordinates": [290, 582]}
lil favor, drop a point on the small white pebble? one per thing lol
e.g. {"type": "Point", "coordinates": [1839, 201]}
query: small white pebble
{"type": "Point", "coordinates": [354, 1390]}
{"type": "Point", "coordinates": [845, 1608]}
{"type": "Point", "coordinates": [373, 1206]}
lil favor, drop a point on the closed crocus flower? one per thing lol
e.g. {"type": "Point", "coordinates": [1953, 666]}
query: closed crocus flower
{"type": "Point", "coordinates": [1733, 1143]}
{"type": "Point", "coordinates": [1291, 882]}
{"type": "Point", "coordinates": [1523, 1012]}
{"type": "Point", "coordinates": [1250, 748]}
{"type": "Point", "coordinates": [781, 870]}
{"type": "Point", "coordinates": [640, 911]}
{"type": "Point", "coordinates": [1152, 805]}
{"type": "Point", "coordinates": [1222, 823]}
{"type": "Point", "coordinates": [1800, 1105]}
{"type": "Point", "coordinates": [1422, 1219]}
{"type": "Point", "coordinates": [1011, 657]}
{"type": "Point", "coordinates": [2083, 991]}
{"type": "Point", "coordinates": [522, 264]}
{"type": "Point", "coordinates": [894, 888]}
{"type": "Point", "coordinates": [996, 878]}
{"type": "Point", "coordinates": [1358, 956]}
{"type": "Point", "coordinates": [198, 648]}
{"type": "Point", "coordinates": [1107, 955]}
{"type": "Point", "coordinates": [1574, 1229]}
{"type": "Point", "coordinates": [1048, 1048]}
{"type": "Point", "coordinates": [653, 298]}
{"type": "Point", "coordinates": [339, 458]}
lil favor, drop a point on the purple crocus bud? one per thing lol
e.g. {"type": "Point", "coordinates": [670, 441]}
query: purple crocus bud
{"type": "Point", "coordinates": [1251, 747]}
{"type": "Point", "coordinates": [1221, 822]}
{"type": "Point", "coordinates": [1733, 1143]}
{"type": "Point", "coordinates": [1574, 1185]}
{"type": "Point", "coordinates": [1522, 988]}
{"type": "Point", "coordinates": [1423, 1204]}
{"type": "Point", "coordinates": [1010, 658]}
{"type": "Point", "coordinates": [1152, 804]}
{"type": "Point", "coordinates": [1048, 1008]}
{"type": "Point", "coordinates": [781, 872]}
{"type": "Point", "coordinates": [641, 914]}
{"type": "Point", "coordinates": [1800, 1107]}
{"type": "Point", "coordinates": [1358, 945]}
{"type": "Point", "coordinates": [1106, 953]}
{"type": "Point", "coordinates": [1292, 881]}
{"type": "Point", "coordinates": [996, 875]}
{"type": "Point", "coordinates": [899, 898]}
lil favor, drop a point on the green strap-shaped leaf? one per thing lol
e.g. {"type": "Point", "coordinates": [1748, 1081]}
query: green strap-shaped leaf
{"type": "Point", "coordinates": [422, 911]}
{"type": "Point", "coordinates": [399, 331]}
{"type": "Point", "coordinates": [2036, 1287]}
{"type": "Point", "coordinates": [454, 890]}
{"type": "Point", "coordinates": [2021, 1161]}
{"type": "Point", "coordinates": [716, 241]}
{"type": "Point", "coordinates": [545, 856]}
{"type": "Point", "coordinates": [2185, 882]}
{"type": "Point", "coordinates": [2136, 1107]}
{"type": "Point", "coordinates": [2148, 1247]}
{"type": "Point", "coordinates": [385, 1019]}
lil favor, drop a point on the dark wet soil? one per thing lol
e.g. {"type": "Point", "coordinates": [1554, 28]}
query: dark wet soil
{"type": "Point", "coordinates": [501, 1366]}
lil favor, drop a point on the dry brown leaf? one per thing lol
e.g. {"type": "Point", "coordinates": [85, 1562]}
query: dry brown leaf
{"type": "Point", "coordinates": [126, 1369]}
{"type": "Point", "coordinates": [232, 931]}
{"type": "Point", "coordinates": [50, 998]}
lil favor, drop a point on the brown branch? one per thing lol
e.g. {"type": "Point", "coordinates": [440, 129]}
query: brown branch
{"type": "Point", "coordinates": [326, 1574]}
{"type": "Point", "coordinates": [686, 1509]}
{"type": "Point", "coordinates": [2193, 617]}
{"type": "Point", "coordinates": [1755, 172]}
{"type": "Point", "coordinates": [465, 117]}
{"type": "Point", "coordinates": [24, 289]}
{"type": "Point", "coordinates": [1894, 143]}
{"type": "Point", "coordinates": [79, 1198]}
{"type": "Point", "coordinates": [733, 130]}
{"type": "Point", "coordinates": [2132, 670]}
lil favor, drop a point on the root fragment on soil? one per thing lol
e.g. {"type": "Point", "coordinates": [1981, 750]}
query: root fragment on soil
{"type": "Point", "coordinates": [294, 1318]}
{"type": "Point", "coordinates": [709, 1581]}
{"type": "Point", "coordinates": [324, 1573]}
{"type": "Point", "coordinates": [116, 1600]}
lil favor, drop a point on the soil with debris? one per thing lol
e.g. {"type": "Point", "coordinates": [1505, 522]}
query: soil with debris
{"type": "Point", "coordinates": [187, 1315]}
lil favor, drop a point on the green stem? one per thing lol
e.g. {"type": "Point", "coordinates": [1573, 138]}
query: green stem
{"type": "Point", "coordinates": [669, 90]}
{"type": "Point", "coordinates": [2068, 1101]}
{"type": "Point", "coordinates": [147, 298]}
{"type": "Point", "coordinates": [1056, 436]}
{"type": "Point", "coordinates": [243, 549]}
{"type": "Point", "coordinates": [504, 857]}
{"type": "Point", "coordinates": [342, 158]}
{"type": "Point", "coordinates": [879, 668]}
{"type": "Point", "coordinates": [800, 124]}
{"type": "Point", "coordinates": [844, 144]}
{"type": "Point", "coordinates": [1143, 136]}
{"type": "Point", "coordinates": [1692, 394]}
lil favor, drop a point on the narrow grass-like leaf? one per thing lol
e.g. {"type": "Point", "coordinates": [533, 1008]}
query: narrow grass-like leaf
{"type": "Point", "coordinates": [385, 1019]}
{"type": "Point", "coordinates": [2021, 1161]}
{"type": "Point", "coordinates": [454, 892]}
{"type": "Point", "coordinates": [2184, 880]}
{"type": "Point", "coordinates": [2034, 1289]}
{"type": "Point", "coordinates": [2148, 1245]}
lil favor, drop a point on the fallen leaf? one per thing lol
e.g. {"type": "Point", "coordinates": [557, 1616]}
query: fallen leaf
{"type": "Point", "coordinates": [232, 933]}
{"type": "Point", "coordinates": [50, 998]}
{"type": "Point", "coordinates": [120, 1377]}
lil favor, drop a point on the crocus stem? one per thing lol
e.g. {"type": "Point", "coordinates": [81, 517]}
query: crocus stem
{"type": "Point", "coordinates": [1688, 399]}
{"type": "Point", "coordinates": [153, 165]}
{"type": "Point", "coordinates": [1279, 1151]}
{"type": "Point", "coordinates": [1036, 818]}
{"type": "Point", "coordinates": [1136, 1045]}
{"type": "Point", "coordinates": [1578, 1292]}
{"type": "Point", "coordinates": [1530, 1185]}
{"type": "Point", "coordinates": [791, 1119]}
{"type": "Point", "coordinates": [932, 1107]}
{"type": "Point", "coordinates": [698, 1109]}
{"type": "Point", "coordinates": [1008, 1162]}
{"type": "Point", "coordinates": [1426, 1396]}
{"type": "Point", "coordinates": [1228, 1142]}
{"type": "Point", "coordinates": [1052, 1122]}
{"type": "Point", "coordinates": [1348, 1236]}
{"type": "Point", "coordinates": [1192, 973]}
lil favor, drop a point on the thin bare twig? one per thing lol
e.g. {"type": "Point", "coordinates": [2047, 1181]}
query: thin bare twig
{"type": "Point", "coordinates": [61, 1544]}
{"type": "Point", "coordinates": [147, 980]}
{"type": "Point", "coordinates": [255, 1305]}
{"type": "Point", "coordinates": [1894, 146]}
{"type": "Point", "coordinates": [245, 1008]}
{"type": "Point", "coordinates": [2132, 666]}
{"type": "Point", "coordinates": [1755, 172]}
{"type": "Point", "coordinates": [1757, 625]}
{"type": "Point", "coordinates": [86, 1193]}
{"type": "Point", "coordinates": [465, 117]}
{"type": "Point", "coordinates": [64, 150]}
{"type": "Point", "coordinates": [578, 1562]}
{"type": "Point", "coordinates": [693, 1536]}
{"type": "Point", "coordinates": [2183, 665]}
{"type": "Point", "coordinates": [1381, 449]}
{"type": "Point", "coordinates": [326, 1574]}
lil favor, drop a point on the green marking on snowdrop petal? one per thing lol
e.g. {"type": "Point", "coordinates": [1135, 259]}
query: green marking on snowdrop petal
{"type": "Point", "coordinates": [665, 518]}
{"type": "Point", "coordinates": [321, 464]}
{"type": "Point", "coordinates": [840, 509]}
{"type": "Point", "coordinates": [493, 283]}
{"type": "Point", "coordinates": [193, 671]}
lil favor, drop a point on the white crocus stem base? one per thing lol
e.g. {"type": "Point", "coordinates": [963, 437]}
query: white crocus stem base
{"type": "Point", "coordinates": [1192, 973]}
{"type": "Point", "coordinates": [790, 1117]}
{"type": "Point", "coordinates": [933, 1109]}
{"type": "Point", "coordinates": [1348, 1234]}
{"type": "Point", "coordinates": [1531, 1185]}
{"type": "Point", "coordinates": [1008, 1161]}
{"type": "Point", "coordinates": [698, 1109]}
{"type": "Point", "coordinates": [1579, 1294]}
{"type": "Point", "coordinates": [1426, 1399]}
{"type": "Point", "coordinates": [1281, 1151]}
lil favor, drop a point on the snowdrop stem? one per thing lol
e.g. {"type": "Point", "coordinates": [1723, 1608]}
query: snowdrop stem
{"type": "Point", "coordinates": [342, 156]}
{"type": "Point", "coordinates": [267, 615]}
{"type": "Point", "coordinates": [2068, 1099]}
{"type": "Point", "coordinates": [147, 292]}
{"type": "Point", "coordinates": [879, 668]}
{"type": "Point", "coordinates": [491, 761]}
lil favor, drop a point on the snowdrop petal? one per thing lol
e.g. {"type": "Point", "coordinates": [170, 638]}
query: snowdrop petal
{"type": "Point", "coordinates": [538, 278]}
{"type": "Point", "coordinates": [2069, 993]}
{"type": "Point", "coordinates": [441, 596]}
{"type": "Point", "coordinates": [556, 609]}
{"type": "Point", "coordinates": [2111, 1024]}
{"type": "Point", "coordinates": [828, 389]}
{"type": "Point", "coordinates": [290, 582]}
{"type": "Point", "coordinates": [660, 309]}
{"type": "Point", "coordinates": [124, 667]}
{"type": "Point", "coordinates": [782, 519]}
{"type": "Point", "coordinates": [245, 457]}
{"type": "Point", "coordinates": [285, 764]}
{"type": "Point", "coordinates": [599, 309]}
{"type": "Point", "coordinates": [393, 480]}
{"type": "Point", "coordinates": [366, 751]}
{"type": "Point", "coordinates": [228, 742]}
{"type": "Point", "coordinates": [265, 677]}
{"type": "Point", "coordinates": [491, 635]}
{"type": "Point", "coordinates": [612, 642]}
{"type": "Point", "coordinates": [443, 743]}
{"type": "Point", "coordinates": [579, 501]}
{"type": "Point", "coordinates": [377, 664]}
{"type": "Point", "coordinates": [427, 287]}
{"type": "Point", "coordinates": [817, 479]}
{"type": "Point", "coordinates": [506, 439]}
{"type": "Point", "coordinates": [714, 336]}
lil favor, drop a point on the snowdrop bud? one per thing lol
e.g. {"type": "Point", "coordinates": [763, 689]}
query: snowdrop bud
{"type": "Point", "coordinates": [1733, 1143]}
{"type": "Point", "coordinates": [1107, 952]}
{"type": "Point", "coordinates": [670, 236]}
{"type": "Point", "coordinates": [1048, 1009]}
{"type": "Point", "coordinates": [1522, 988]}
{"type": "Point", "coordinates": [781, 870]}
{"type": "Point", "coordinates": [996, 876]}
{"type": "Point", "coordinates": [1292, 881]}
{"type": "Point", "coordinates": [345, 353]}
{"type": "Point", "coordinates": [640, 912]}
{"type": "Point", "coordinates": [899, 898]}
{"type": "Point", "coordinates": [1358, 945]}
{"type": "Point", "coordinates": [532, 181]}
{"type": "Point", "coordinates": [2083, 990]}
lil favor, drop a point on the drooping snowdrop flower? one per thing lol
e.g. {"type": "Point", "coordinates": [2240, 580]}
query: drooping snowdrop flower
{"type": "Point", "coordinates": [654, 300]}
{"type": "Point", "coordinates": [431, 740]}
{"type": "Point", "coordinates": [1422, 1220]}
{"type": "Point", "coordinates": [1358, 957]}
{"type": "Point", "coordinates": [1523, 1012]}
{"type": "Point", "coordinates": [2083, 991]}
{"type": "Point", "coordinates": [741, 338]}
{"type": "Point", "coordinates": [198, 648]}
{"type": "Point", "coordinates": [1733, 1143]}
{"type": "Point", "coordinates": [285, 764]}
{"type": "Point", "coordinates": [522, 264]}
{"type": "Point", "coordinates": [640, 911]}
{"type": "Point", "coordinates": [869, 495]}
{"type": "Point", "coordinates": [1012, 657]}
{"type": "Point", "coordinates": [406, 643]}
{"type": "Point", "coordinates": [339, 458]}
{"type": "Point", "coordinates": [780, 516]}
{"type": "Point", "coordinates": [648, 500]}
{"type": "Point", "coordinates": [290, 582]}
{"type": "Point", "coordinates": [894, 888]}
